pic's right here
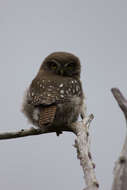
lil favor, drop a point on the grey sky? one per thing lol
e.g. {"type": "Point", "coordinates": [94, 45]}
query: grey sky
{"type": "Point", "coordinates": [96, 31]}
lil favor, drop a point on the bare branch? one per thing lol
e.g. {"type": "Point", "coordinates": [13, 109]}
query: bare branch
{"type": "Point", "coordinates": [30, 132]}
{"type": "Point", "coordinates": [122, 102]}
{"type": "Point", "coordinates": [82, 144]}
{"type": "Point", "coordinates": [120, 170]}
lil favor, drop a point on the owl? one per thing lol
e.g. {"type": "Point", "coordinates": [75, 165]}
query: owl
{"type": "Point", "coordinates": [55, 96]}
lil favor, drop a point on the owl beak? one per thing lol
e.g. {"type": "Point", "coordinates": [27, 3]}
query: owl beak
{"type": "Point", "coordinates": [61, 71]}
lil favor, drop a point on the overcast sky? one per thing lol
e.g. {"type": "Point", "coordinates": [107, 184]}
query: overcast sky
{"type": "Point", "coordinates": [94, 30]}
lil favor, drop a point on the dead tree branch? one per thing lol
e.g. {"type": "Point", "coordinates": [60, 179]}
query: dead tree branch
{"type": "Point", "coordinates": [30, 132]}
{"type": "Point", "coordinates": [120, 170]}
{"type": "Point", "coordinates": [82, 144]}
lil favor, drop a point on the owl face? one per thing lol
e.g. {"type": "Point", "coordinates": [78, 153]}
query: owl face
{"type": "Point", "coordinates": [62, 63]}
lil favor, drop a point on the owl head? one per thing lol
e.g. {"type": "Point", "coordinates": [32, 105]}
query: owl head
{"type": "Point", "coordinates": [62, 63]}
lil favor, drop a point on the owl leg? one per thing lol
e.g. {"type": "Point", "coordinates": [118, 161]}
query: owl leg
{"type": "Point", "coordinates": [83, 110]}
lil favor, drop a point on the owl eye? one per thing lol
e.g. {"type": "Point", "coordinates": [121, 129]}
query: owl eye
{"type": "Point", "coordinates": [70, 66]}
{"type": "Point", "coordinates": [53, 65]}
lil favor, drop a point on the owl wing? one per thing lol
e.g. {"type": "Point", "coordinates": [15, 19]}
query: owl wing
{"type": "Point", "coordinates": [47, 92]}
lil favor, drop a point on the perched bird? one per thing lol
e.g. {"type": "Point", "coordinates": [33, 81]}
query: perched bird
{"type": "Point", "coordinates": [55, 96]}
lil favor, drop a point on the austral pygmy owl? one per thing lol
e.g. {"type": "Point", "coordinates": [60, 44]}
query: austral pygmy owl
{"type": "Point", "coordinates": [55, 96]}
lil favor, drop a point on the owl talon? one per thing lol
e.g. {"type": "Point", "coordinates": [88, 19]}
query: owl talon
{"type": "Point", "coordinates": [82, 116]}
{"type": "Point", "coordinates": [58, 133]}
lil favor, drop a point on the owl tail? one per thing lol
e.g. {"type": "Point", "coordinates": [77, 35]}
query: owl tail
{"type": "Point", "coordinates": [47, 115]}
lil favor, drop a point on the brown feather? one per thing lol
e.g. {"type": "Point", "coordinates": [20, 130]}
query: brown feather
{"type": "Point", "coordinates": [47, 115]}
